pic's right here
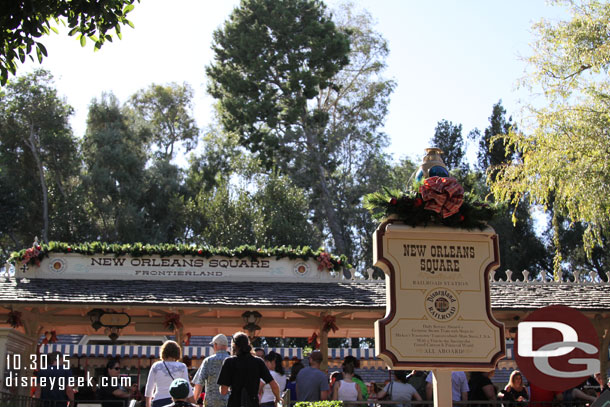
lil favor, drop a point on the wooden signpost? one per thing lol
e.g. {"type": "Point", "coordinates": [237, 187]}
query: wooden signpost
{"type": "Point", "coordinates": [438, 313]}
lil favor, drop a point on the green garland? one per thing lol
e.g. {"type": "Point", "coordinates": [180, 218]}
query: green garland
{"type": "Point", "coordinates": [166, 250]}
{"type": "Point", "coordinates": [409, 207]}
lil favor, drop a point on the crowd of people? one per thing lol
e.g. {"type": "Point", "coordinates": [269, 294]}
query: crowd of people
{"type": "Point", "coordinates": [245, 377]}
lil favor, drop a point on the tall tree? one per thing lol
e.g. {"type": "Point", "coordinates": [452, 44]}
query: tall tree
{"type": "Point", "coordinates": [448, 137]}
{"type": "Point", "coordinates": [492, 151]}
{"type": "Point", "coordinates": [22, 22]}
{"type": "Point", "coordinates": [115, 158]}
{"type": "Point", "coordinates": [563, 161]}
{"type": "Point", "coordinates": [285, 84]}
{"type": "Point", "coordinates": [167, 111]}
{"type": "Point", "coordinates": [36, 140]}
{"type": "Point", "coordinates": [520, 247]}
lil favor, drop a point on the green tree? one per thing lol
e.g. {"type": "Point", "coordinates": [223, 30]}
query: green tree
{"type": "Point", "coordinates": [39, 159]}
{"type": "Point", "coordinates": [448, 137]}
{"type": "Point", "coordinates": [492, 151]}
{"type": "Point", "coordinates": [167, 111]}
{"type": "Point", "coordinates": [115, 158]}
{"type": "Point", "coordinates": [22, 22]}
{"type": "Point", "coordinates": [563, 160]}
{"type": "Point", "coordinates": [520, 247]}
{"type": "Point", "coordinates": [285, 84]}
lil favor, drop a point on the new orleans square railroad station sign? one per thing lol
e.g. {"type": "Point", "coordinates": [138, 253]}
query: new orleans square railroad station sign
{"type": "Point", "coordinates": [438, 310]}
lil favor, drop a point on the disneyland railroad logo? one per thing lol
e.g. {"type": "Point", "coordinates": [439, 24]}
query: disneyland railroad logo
{"type": "Point", "coordinates": [439, 258]}
{"type": "Point", "coordinates": [441, 304]}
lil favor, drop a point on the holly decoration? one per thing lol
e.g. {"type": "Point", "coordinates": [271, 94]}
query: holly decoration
{"type": "Point", "coordinates": [410, 207]}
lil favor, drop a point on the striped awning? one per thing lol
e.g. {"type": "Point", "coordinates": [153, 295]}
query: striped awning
{"type": "Point", "coordinates": [195, 352]}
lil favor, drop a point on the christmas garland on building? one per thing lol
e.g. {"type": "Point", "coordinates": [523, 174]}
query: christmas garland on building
{"type": "Point", "coordinates": [327, 261]}
{"type": "Point", "coordinates": [423, 207]}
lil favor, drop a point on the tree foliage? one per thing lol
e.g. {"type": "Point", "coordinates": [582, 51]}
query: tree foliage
{"type": "Point", "coordinates": [166, 111]}
{"type": "Point", "coordinates": [39, 159]}
{"type": "Point", "coordinates": [563, 161]}
{"type": "Point", "coordinates": [22, 22]}
{"type": "Point", "coordinates": [305, 93]}
{"type": "Point", "coordinates": [448, 137]}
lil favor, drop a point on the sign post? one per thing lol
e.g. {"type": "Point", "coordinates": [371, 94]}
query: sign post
{"type": "Point", "coordinates": [438, 307]}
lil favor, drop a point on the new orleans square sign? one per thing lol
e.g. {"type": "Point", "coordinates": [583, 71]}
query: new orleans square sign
{"type": "Point", "coordinates": [185, 268]}
{"type": "Point", "coordinates": [438, 310]}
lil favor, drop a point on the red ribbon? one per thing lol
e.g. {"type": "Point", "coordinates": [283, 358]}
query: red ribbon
{"type": "Point", "coordinates": [442, 195]}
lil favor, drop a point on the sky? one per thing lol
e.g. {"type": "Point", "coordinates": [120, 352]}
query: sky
{"type": "Point", "coordinates": [451, 60]}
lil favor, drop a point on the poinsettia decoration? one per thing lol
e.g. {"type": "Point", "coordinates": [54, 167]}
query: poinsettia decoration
{"type": "Point", "coordinates": [172, 322]}
{"type": "Point", "coordinates": [32, 255]}
{"type": "Point", "coordinates": [324, 262]}
{"type": "Point", "coordinates": [14, 319]}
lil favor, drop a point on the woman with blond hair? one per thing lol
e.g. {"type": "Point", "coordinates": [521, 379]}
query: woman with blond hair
{"type": "Point", "coordinates": [515, 390]}
{"type": "Point", "coordinates": [162, 373]}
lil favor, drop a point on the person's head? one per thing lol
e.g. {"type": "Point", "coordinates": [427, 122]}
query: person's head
{"type": "Point", "coordinates": [219, 342]}
{"type": "Point", "coordinates": [179, 389]}
{"type": "Point", "coordinates": [315, 359]}
{"type": "Point", "coordinates": [240, 344]}
{"type": "Point", "coordinates": [260, 352]}
{"type": "Point", "coordinates": [516, 379]}
{"type": "Point", "coordinates": [170, 350]}
{"type": "Point", "coordinates": [348, 370]}
{"type": "Point", "coordinates": [270, 361]}
{"type": "Point", "coordinates": [335, 377]}
{"type": "Point", "coordinates": [279, 362]}
{"type": "Point", "coordinates": [294, 370]}
{"type": "Point", "coordinates": [400, 375]}
{"type": "Point", "coordinates": [349, 359]}
{"type": "Point", "coordinates": [113, 368]}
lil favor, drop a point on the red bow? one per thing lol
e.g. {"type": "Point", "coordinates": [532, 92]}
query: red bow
{"type": "Point", "coordinates": [329, 323]}
{"type": "Point", "coordinates": [442, 195]}
{"type": "Point", "coordinates": [313, 339]}
{"type": "Point", "coordinates": [49, 337]}
{"type": "Point", "coordinates": [187, 341]}
{"type": "Point", "coordinates": [14, 319]}
{"type": "Point", "coordinates": [172, 322]}
{"type": "Point", "coordinates": [324, 262]}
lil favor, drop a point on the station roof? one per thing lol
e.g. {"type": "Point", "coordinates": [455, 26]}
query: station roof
{"type": "Point", "coordinates": [356, 294]}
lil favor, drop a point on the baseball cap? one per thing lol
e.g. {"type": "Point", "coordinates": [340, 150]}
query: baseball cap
{"type": "Point", "coordinates": [220, 339]}
{"type": "Point", "coordinates": [179, 389]}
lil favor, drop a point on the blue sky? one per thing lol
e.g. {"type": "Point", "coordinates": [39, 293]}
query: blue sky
{"type": "Point", "coordinates": [451, 59]}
